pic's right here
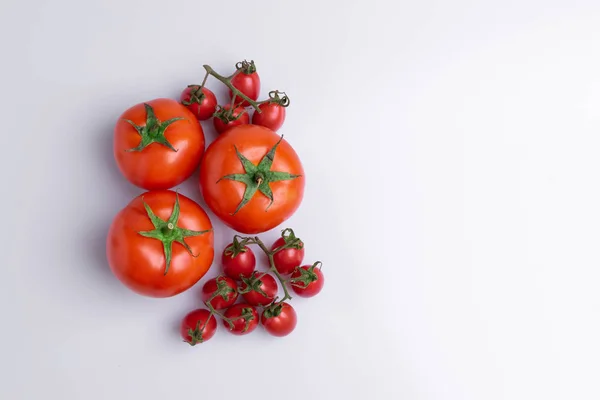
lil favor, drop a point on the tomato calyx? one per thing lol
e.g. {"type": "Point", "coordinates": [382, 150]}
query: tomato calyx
{"type": "Point", "coordinates": [253, 283]}
{"type": "Point", "coordinates": [153, 131]}
{"type": "Point", "coordinates": [307, 276]}
{"type": "Point", "coordinates": [246, 67]}
{"type": "Point", "coordinates": [277, 97]}
{"type": "Point", "coordinates": [273, 310]}
{"type": "Point", "coordinates": [196, 95]}
{"type": "Point", "coordinates": [196, 333]}
{"type": "Point", "coordinates": [290, 241]}
{"type": "Point", "coordinates": [168, 232]}
{"type": "Point", "coordinates": [235, 248]}
{"type": "Point", "coordinates": [258, 177]}
{"type": "Point", "coordinates": [227, 114]}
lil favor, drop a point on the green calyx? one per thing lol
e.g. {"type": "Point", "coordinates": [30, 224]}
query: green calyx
{"type": "Point", "coordinates": [235, 248]}
{"type": "Point", "coordinates": [307, 276]}
{"type": "Point", "coordinates": [168, 232]}
{"type": "Point", "coordinates": [273, 310]}
{"type": "Point", "coordinates": [196, 95]}
{"type": "Point", "coordinates": [246, 67]}
{"type": "Point", "coordinates": [223, 289]}
{"type": "Point", "coordinates": [247, 316]}
{"type": "Point", "coordinates": [196, 333]}
{"type": "Point", "coordinates": [253, 283]}
{"type": "Point", "coordinates": [258, 177]}
{"type": "Point", "coordinates": [291, 240]}
{"type": "Point", "coordinates": [153, 131]}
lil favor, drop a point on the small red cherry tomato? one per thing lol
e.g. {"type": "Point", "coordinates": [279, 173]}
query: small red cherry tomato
{"type": "Point", "coordinates": [280, 319]}
{"type": "Point", "coordinates": [222, 290]}
{"type": "Point", "coordinates": [201, 101]}
{"type": "Point", "coordinates": [238, 261]}
{"type": "Point", "coordinates": [197, 327]}
{"type": "Point", "coordinates": [288, 259]}
{"type": "Point", "coordinates": [259, 290]}
{"type": "Point", "coordinates": [246, 81]}
{"type": "Point", "coordinates": [244, 319]}
{"type": "Point", "coordinates": [225, 119]}
{"type": "Point", "coordinates": [308, 280]}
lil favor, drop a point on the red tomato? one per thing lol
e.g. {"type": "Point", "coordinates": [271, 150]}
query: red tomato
{"type": "Point", "coordinates": [238, 261]}
{"type": "Point", "coordinates": [271, 116]}
{"type": "Point", "coordinates": [246, 81]}
{"type": "Point", "coordinates": [222, 290]}
{"type": "Point", "coordinates": [288, 259]}
{"type": "Point", "coordinates": [251, 179]}
{"type": "Point", "coordinates": [160, 244]}
{"type": "Point", "coordinates": [244, 318]}
{"type": "Point", "coordinates": [279, 320]}
{"type": "Point", "coordinates": [259, 290]}
{"type": "Point", "coordinates": [196, 327]}
{"type": "Point", "coordinates": [226, 119]}
{"type": "Point", "coordinates": [201, 101]}
{"type": "Point", "coordinates": [158, 144]}
{"type": "Point", "coordinates": [308, 280]}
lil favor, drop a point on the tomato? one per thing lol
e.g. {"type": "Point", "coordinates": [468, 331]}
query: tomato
{"type": "Point", "coordinates": [244, 318]}
{"type": "Point", "coordinates": [308, 280]}
{"type": "Point", "coordinates": [288, 259]}
{"type": "Point", "coordinates": [238, 261]}
{"type": "Point", "coordinates": [226, 119]}
{"type": "Point", "coordinates": [160, 244]}
{"type": "Point", "coordinates": [259, 290]}
{"type": "Point", "coordinates": [223, 289]}
{"type": "Point", "coordinates": [246, 81]}
{"type": "Point", "coordinates": [280, 319]}
{"type": "Point", "coordinates": [201, 101]}
{"type": "Point", "coordinates": [251, 179]}
{"type": "Point", "coordinates": [158, 144]}
{"type": "Point", "coordinates": [271, 116]}
{"type": "Point", "coordinates": [198, 326]}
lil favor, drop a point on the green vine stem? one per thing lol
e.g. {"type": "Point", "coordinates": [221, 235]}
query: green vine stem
{"type": "Point", "coordinates": [226, 80]}
{"type": "Point", "coordinates": [243, 241]}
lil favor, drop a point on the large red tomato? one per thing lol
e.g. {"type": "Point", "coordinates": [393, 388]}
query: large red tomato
{"type": "Point", "coordinates": [160, 244]}
{"type": "Point", "coordinates": [158, 144]}
{"type": "Point", "coordinates": [251, 179]}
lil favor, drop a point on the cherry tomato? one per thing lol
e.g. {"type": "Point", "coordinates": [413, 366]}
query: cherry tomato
{"type": "Point", "coordinates": [244, 318]}
{"type": "Point", "coordinates": [308, 280]}
{"type": "Point", "coordinates": [201, 101]}
{"type": "Point", "coordinates": [252, 179]}
{"type": "Point", "coordinates": [158, 144]}
{"type": "Point", "coordinates": [238, 261]}
{"type": "Point", "coordinates": [271, 116]}
{"type": "Point", "coordinates": [226, 120]}
{"type": "Point", "coordinates": [246, 81]}
{"type": "Point", "coordinates": [160, 244]}
{"type": "Point", "coordinates": [196, 327]}
{"type": "Point", "coordinates": [287, 260]}
{"type": "Point", "coordinates": [279, 320]}
{"type": "Point", "coordinates": [225, 289]}
{"type": "Point", "coordinates": [251, 289]}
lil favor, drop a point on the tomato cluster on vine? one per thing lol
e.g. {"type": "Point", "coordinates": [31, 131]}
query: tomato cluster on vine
{"type": "Point", "coordinates": [248, 296]}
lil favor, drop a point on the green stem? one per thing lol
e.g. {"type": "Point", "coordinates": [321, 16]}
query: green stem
{"type": "Point", "coordinates": [273, 269]}
{"type": "Point", "coordinates": [227, 82]}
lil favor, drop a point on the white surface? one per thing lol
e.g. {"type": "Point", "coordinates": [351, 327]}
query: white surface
{"type": "Point", "coordinates": [451, 153]}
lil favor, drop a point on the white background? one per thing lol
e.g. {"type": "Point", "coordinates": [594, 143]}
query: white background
{"type": "Point", "coordinates": [452, 154]}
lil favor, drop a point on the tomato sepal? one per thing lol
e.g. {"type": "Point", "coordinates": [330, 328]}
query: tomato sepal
{"type": "Point", "coordinates": [153, 130]}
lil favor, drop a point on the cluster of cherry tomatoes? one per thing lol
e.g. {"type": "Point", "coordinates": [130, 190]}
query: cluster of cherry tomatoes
{"type": "Point", "coordinates": [162, 242]}
{"type": "Point", "coordinates": [254, 291]}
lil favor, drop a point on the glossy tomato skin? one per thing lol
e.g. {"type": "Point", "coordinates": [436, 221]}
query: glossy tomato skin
{"type": "Point", "coordinates": [207, 106]}
{"type": "Point", "coordinates": [156, 166]}
{"type": "Point", "coordinates": [249, 84]}
{"type": "Point", "coordinates": [313, 288]}
{"type": "Point", "coordinates": [198, 318]}
{"type": "Point", "coordinates": [268, 286]}
{"type": "Point", "coordinates": [282, 324]}
{"type": "Point", "coordinates": [239, 324]}
{"type": "Point", "coordinates": [243, 119]}
{"type": "Point", "coordinates": [242, 265]}
{"type": "Point", "coordinates": [211, 286]}
{"type": "Point", "coordinates": [271, 116]}
{"type": "Point", "coordinates": [287, 260]}
{"type": "Point", "coordinates": [223, 197]}
{"type": "Point", "coordinates": [139, 262]}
